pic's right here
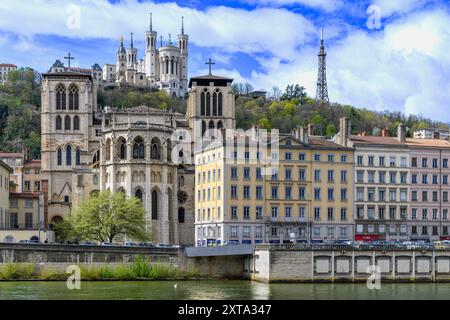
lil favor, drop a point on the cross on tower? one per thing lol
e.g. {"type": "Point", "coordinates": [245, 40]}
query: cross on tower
{"type": "Point", "coordinates": [68, 58]}
{"type": "Point", "coordinates": [210, 63]}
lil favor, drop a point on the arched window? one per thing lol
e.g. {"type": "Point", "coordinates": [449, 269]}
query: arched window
{"type": "Point", "coordinates": [138, 194]}
{"type": "Point", "coordinates": [154, 205]}
{"type": "Point", "coordinates": [78, 157]}
{"type": "Point", "coordinates": [208, 104]}
{"type": "Point", "coordinates": [214, 109]}
{"type": "Point", "coordinates": [76, 123]}
{"type": "Point", "coordinates": [58, 123]}
{"type": "Point", "coordinates": [155, 149]}
{"type": "Point", "coordinates": [211, 125]}
{"type": "Point", "coordinates": [69, 155]}
{"type": "Point", "coordinates": [60, 97]}
{"type": "Point", "coordinates": [169, 150]}
{"type": "Point", "coordinates": [138, 148]}
{"type": "Point", "coordinates": [203, 127]}
{"type": "Point", "coordinates": [171, 66]}
{"type": "Point", "coordinates": [66, 199]}
{"type": "Point", "coordinates": [73, 97]}
{"type": "Point", "coordinates": [67, 123]}
{"type": "Point", "coordinates": [108, 150]}
{"type": "Point", "coordinates": [59, 156]}
{"type": "Point", "coordinates": [167, 66]}
{"type": "Point", "coordinates": [181, 215]}
{"type": "Point", "coordinates": [219, 125]}
{"type": "Point", "coordinates": [220, 104]}
{"type": "Point", "coordinates": [202, 104]}
{"type": "Point", "coordinates": [122, 149]}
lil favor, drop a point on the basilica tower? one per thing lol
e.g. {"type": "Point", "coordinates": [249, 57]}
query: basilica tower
{"type": "Point", "coordinates": [121, 63]}
{"type": "Point", "coordinates": [151, 56]}
{"type": "Point", "coordinates": [183, 44]}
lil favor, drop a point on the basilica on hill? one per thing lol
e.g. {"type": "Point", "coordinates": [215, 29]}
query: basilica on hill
{"type": "Point", "coordinates": [141, 151]}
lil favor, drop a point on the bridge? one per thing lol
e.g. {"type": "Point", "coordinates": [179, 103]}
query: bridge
{"type": "Point", "coordinates": [231, 250]}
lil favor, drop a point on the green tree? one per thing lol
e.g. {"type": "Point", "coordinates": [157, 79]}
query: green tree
{"type": "Point", "coordinates": [106, 215]}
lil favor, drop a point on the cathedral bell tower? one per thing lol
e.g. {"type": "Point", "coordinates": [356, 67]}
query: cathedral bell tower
{"type": "Point", "coordinates": [131, 55]}
{"type": "Point", "coordinates": [211, 104]}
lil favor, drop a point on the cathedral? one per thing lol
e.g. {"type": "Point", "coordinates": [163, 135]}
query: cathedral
{"type": "Point", "coordinates": [165, 68]}
{"type": "Point", "coordinates": [143, 152]}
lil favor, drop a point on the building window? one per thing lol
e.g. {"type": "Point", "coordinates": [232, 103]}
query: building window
{"type": "Point", "coordinates": [78, 157]}
{"type": "Point", "coordinates": [59, 156]}
{"type": "Point", "coordinates": [27, 186]}
{"type": "Point", "coordinates": [73, 97]}
{"type": "Point", "coordinates": [69, 155]}
{"type": "Point", "coordinates": [28, 220]}
{"type": "Point", "coordinates": [76, 123]}
{"type": "Point", "coordinates": [233, 212]}
{"type": "Point", "coordinates": [60, 97]}
{"type": "Point", "coordinates": [138, 148]}
{"type": "Point", "coordinates": [58, 123]}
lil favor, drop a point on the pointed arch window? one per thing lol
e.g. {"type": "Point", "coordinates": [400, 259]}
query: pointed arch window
{"type": "Point", "coordinates": [202, 104]}
{"type": "Point", "coordinates": [138, 148]}
{"type": "Point", "coordinates": [220, 103]}
{"type": "Point", "coordinates": [122, 149]}
{"type": "Point", "coordinates": [138, 194]}
{"type": "Point", "coordinates": [69, 155]}
{"type": "Point", "coordinates": [60, 97]}
{"type": "Point", "coordinates": [214, 108]}
{"type": "Point", "coordinates": [78, 157]}
{"type": "Point", "coordinates": [154, 205]}
{"type": "Point", "coordinates": [155, 149]}
{"type": "Point", "coordinates": [58, 123]}
{"type": "Point", "coordinates": [59, 156]}
{"type": "Point", "coordinates": [219, 125]}
{"type": "Point", "coordinates": [208, 104]}
{"type": "Point", "coordinates": [76, 123]}
{"type": "Point", "coordinates": [108, 150]}
{"type": "Point", "coordinates": [169, 150]}
{"type": "Point", "coordinates": [203, 127]}
{"type": "Point", "coordinates": [73, 97]}
{"type": "Point", "coordinates": [67, 123]}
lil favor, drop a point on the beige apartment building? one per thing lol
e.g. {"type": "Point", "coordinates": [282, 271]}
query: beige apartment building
{"type": "Point", "coordinates": [297, 192]}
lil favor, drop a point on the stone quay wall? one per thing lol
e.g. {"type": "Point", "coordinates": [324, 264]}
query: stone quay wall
{"type": "Point", "coordinates": [289, 264]}
{"type": "Point", "coordinates": [61, 256]}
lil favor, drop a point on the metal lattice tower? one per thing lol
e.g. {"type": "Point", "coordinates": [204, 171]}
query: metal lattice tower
{"type": "Point", "coordinates": [322, 90]}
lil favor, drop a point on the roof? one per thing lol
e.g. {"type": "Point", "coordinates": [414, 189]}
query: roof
{"type": "Point", "coordinates": [378, 140]}
{"type": "Point", "coordinates": [324, 143]}
{"type": "Point", "coordinates": [427, 143]}
{"type": "Point", "coordinates": [206, 79]}
{"type": "Point", "coordinates": [10, 155]}
{"type": "Point", "coordinates": [8, 65]}
{"type": "Point", "coordinates": [67, 74]}
{"type": "Point", "coordinates": [4, 165]}
{"type": "Point", "coordinates": [25, 195]}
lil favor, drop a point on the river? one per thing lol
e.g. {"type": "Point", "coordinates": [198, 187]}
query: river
{"type": "Point", "coordinates": [216, 289]}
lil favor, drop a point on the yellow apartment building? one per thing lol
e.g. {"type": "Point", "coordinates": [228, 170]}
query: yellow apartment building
{"type": "Point", "coordinates": [298, 191]}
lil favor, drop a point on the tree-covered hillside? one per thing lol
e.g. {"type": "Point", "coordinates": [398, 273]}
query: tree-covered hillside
{"type": "Point", "coordinates": [285, 110]}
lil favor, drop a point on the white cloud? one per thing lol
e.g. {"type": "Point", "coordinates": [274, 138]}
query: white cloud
{"type": "Point", "coordinates": [390, 7]}
{"type": "Point", "coordinates": [404, 67]}
{"type": "Point", "coordinates": [326, 5]}
{"type": "Point", "coordinates": [262, 29]}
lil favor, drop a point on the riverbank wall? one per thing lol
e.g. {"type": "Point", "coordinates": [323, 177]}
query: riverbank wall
{"type": "Point", "coordinates": [294, 264]}
{"type": "Point", "coordinates": [59, 257]}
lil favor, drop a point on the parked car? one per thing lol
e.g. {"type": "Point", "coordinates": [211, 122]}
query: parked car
{"type": "Point", "coordinates": [88, 243]}
{"type": "Point", "coordinates": [109, 244]}
{"type": "Point", "coordinates": [130, 244]}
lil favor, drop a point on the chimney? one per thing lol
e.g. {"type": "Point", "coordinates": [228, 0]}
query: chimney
{"type": "Point", "coordinates": [344, 131]}
{"type": "Point", "coordinates": [384, 132]}
{"type": "Point", "coordinates": [310, 129]}
{"type": "Point", "coordinates": [26, 154]}
{"type": "Point", "coordinates": [401, 133]}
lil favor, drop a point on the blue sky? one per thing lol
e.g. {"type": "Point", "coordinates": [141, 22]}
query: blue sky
{"type": "Point", "coordinates": [382, 54]}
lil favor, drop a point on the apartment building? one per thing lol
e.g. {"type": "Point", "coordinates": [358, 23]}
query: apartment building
{"type": "Point", "coordinates": [6, 68]}
{"type": "Point", "coordinates": [429, 189]}
{"type": "Point", "coordinates": [299, 191]}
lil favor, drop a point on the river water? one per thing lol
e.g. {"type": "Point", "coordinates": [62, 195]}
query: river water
{"type": "Point", "coordinates": [216, 289]}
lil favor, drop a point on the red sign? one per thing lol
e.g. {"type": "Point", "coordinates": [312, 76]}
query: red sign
{"type": "Point", "coordinates": [445, 238]}
{"type": "Point", "coordinates": [366, 237]}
